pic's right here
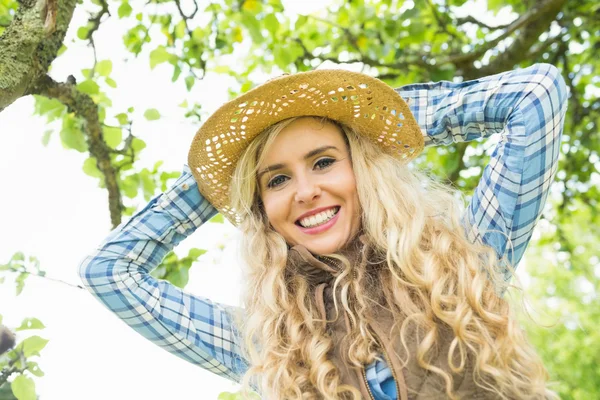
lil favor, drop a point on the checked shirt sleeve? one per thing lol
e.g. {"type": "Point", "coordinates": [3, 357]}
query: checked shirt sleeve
{"type": "Point", "coordinates": [118, 274]}
{"type": "Point", "coordinates": [527, 108]}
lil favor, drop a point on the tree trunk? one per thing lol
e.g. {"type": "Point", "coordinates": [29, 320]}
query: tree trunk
{"type": "Point", "coordinates": [30, 44]}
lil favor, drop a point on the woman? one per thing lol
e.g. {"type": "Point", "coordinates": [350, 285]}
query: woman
{"type": "Point", "coordinates": [366, 278]}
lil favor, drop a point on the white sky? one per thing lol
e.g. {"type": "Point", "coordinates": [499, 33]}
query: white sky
{"type": "Point", "coordinates": [51, 210]}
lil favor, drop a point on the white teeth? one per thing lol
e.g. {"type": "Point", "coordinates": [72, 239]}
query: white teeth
{"type": "Point", "coordinates": [318, 219]}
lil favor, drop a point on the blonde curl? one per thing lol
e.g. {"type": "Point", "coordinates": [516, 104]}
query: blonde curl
{"type": "Point", "coordinates": [435, 279]}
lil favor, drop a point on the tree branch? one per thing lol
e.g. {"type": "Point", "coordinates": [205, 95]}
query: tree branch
{"type": "Point", "coordinates": [183, 15]}
{"type": "Point", "coordinates": [84, 107]}
{"type": "Point", "coordinates": [535, 53]}
{"type": "Point", "coordinates": [96, 19]}
{"type": "Point", "coordinates": [400, 65]}
{"type": "Point", "coordinates": [51, 9]}
{"type": "Point", "coordinates": [536, 20]}
{"type": "Point", "coordinates": [30, 44]}
{"type": "Point", "coordinates": [441, 23]}
{"type": "Point", "coordinates": [7, 340]}
{"type": "Point", "coordinates": [473, 20]}
{"type": "Point", "coordinates": [539, 19]}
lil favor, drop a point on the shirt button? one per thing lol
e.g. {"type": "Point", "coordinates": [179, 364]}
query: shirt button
{"type": "Point", "coordinates": [185, 186]}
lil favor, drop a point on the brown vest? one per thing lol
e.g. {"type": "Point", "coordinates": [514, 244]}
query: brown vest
{"type": "Point", "coordinates": [412, 382]}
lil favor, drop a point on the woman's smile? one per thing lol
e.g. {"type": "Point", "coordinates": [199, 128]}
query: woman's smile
{"type": "Point", "coordinates": [319, 222]}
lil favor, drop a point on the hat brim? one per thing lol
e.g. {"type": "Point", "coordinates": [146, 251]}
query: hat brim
{"type": "Point", "coordinates": [368, 105]}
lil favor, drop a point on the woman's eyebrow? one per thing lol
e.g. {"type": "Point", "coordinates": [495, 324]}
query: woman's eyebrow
{"type": "Point", "coordinates": [308, 155]}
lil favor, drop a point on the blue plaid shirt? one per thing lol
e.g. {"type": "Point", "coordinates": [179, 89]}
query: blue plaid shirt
{"type": "Point", "coordinates": [526, 107]}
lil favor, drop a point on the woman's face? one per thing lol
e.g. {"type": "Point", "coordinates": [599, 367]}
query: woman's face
{"type": "Point", "coordinates": [307, 172]}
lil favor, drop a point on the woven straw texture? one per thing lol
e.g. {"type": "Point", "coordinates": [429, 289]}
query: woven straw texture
{"type": "Point", "coordinates": [367, 104]}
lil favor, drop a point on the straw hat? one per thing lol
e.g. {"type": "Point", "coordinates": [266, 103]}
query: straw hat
{"type": "Point", "coordinates": [365, 103]}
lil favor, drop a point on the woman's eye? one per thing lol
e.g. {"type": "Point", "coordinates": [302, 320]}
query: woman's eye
{"type": "Point", "coordinates": [278, 180]}
{"type": "Point", "coordinates": [324, 162]}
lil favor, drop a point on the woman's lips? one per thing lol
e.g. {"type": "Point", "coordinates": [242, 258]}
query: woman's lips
{"type": "Point", "coordinates": [321, 228]}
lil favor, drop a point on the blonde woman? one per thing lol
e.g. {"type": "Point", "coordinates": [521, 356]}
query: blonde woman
{"type": "Point", "coordinates": [365, 277]}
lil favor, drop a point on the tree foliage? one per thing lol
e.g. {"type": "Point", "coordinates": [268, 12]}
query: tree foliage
{"type": "Point", "coordinates": [400, 42]}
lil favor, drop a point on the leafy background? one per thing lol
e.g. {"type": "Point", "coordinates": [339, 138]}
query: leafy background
{"type": "Point", "coordinates": [244, 42]}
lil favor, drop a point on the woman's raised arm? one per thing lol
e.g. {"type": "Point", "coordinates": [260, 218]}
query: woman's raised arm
{"type": "Point", "coordinates": [527, 108]}
{"type": "Point", "coordinates": [118, 274]}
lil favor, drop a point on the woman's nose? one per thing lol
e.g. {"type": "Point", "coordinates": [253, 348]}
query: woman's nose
{"type": "Point", "coordinates": [307, 190]}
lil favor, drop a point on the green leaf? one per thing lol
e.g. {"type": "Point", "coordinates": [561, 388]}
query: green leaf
{"type": "Point", "coordinates": [198, 34]}
{"type": "Point", "coordinates": [102, 110]}
{"type": "Point", "coordinates": [189, 82]}
{"type": "Point", "coordinates": [445, 73]}
{"type": "Point", "coordinates": [227, 396]}
{"type": "Point", "coordinates": [148, 184]}
{"type": "Point", "coordinates": [417, 30]}
{"type": "Point", "coordinates": [184, 104]}
{"type": "Point", "coordinates": [176, 73]}
{"type": "Point", "coordinates": [138, 144]}
{"type": "Point", "coordinates": [282, 57]}
{"type": "Point", "coordinates": [88, 86]}
{"type": "Point", "coordinates": [237, 396]}
{"type": "Point", "coordinates": [152, 114]}
{"type": "Point", "coordinates": [61, 51]}
{"type": "Point", "coordinates": [156, 166]}
{"type": "Point", "coordinates": [33, 367]}
{"type": "Point", "coordinates": [271, 23]}
{"type": "Point", "coordinates": [111, 82]}
{"type": "Point", "coordinates": [251, 5]}
{"type": "Point", "coordinates": [71, 135]}
{"type": "Point", "coordinates": [20, 281]}
{"type": "Point", "coordinates": [300, 21]}
{"type": "Point", "coordinates": [82, 32]}
{"type": "Point", "coordinates": [194, 253]}
{"type": "Point", "coordinates": [51, 108]}
{"type": "Point", "coordinates": [159, 56]}
{"type": "Point", "coordinates": [179, 277]}
{"type": "Point", "coordinates": [23, 388]}
{"type": "Point", "coordinates": [218, 218]}
{"type": "Point", "coordinates": [90, 168]}
{"type": "Point", "coordinates": [33, 345]}
{"type": "Point", "coordinates": [246, 86]}
{"type": "Point", "coordinates": [410, 13]}
{"type": "Point", "coordinates": [496, 5]}
{"type": "Point", "coordinates": [46, 137]}
{"type": "Point", "coordinates": [253, 26]}
{"type": "Point", "coordinates": [104, 67]}
{"type": "Point", "coordinates": [30, 323]}
{"type": "Point", "coordinates": [112, 136]}
{"type": "Point", "coordinates": [180, 29]}
{"type": "Point", "coordinates": [124, 9]}
{"type": "Point", "coordinates": [122, 118]}
{"type": "Point", "coordinates": [130, 185]}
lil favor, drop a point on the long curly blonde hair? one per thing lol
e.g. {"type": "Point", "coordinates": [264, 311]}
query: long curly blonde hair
{"type": "Point", "coordinates": [434, 278]}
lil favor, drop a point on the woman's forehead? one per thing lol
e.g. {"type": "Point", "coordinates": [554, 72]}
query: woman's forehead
{"type": "Point", "coordinates": [303, 135]}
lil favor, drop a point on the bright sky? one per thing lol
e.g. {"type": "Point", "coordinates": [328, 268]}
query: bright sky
{"type": "Point", "coordinates": [51, 210]}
